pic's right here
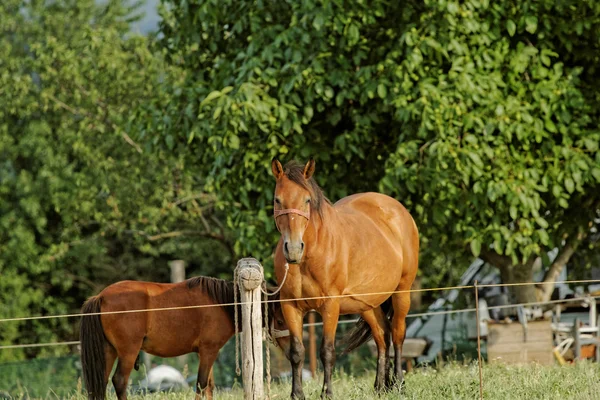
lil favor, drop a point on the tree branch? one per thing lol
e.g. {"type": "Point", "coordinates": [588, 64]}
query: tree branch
{"type": "Point", "coordinates": [129, 140]}
{"type": "Point", "coordinates": [74, 111]}
{"type": "Point", "coordinates": [84, 281]}
{"type": "Point", "coordinates": [498, 260]}
{"type": "Point", "coordinates": [174, 234]}
{"type": "Point", "coordinates": [214, 219]}
{"type": "Point", "coordinates": [204, 222]}
{"type": "Point", "coordinates": [563, 257]}
{"type": "Point", "coordinates": [201, 196]}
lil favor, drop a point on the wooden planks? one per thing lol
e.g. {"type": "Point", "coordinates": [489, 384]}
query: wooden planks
{"type": "Point", "coordinates": [413, 347]}
{"type": "Point", "coordinates": [505, 343]}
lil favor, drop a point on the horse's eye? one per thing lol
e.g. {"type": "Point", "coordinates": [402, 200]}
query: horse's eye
{"type": "Point", "coordinates": [280, 322]}
{"type": "Point", "coordinates": [308, 201]}
{"type": "Point", "coordinates": [277, 201]}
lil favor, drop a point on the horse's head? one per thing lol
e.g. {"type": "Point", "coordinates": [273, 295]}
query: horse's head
{"type": "Point", "coordinates": [292, 206]}
{"type": "Point", "coordinates": [278, 329]}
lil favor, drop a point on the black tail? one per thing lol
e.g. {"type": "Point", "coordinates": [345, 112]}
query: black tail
{"type": "Point", "coordinates": [93, 359]}
{"type": "Point", "coordinates": [362, 331]}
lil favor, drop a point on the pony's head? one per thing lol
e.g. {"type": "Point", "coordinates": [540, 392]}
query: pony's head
{"type": "Point", "coordinates": [297, 195]}
{"type": "Point", "coordinates": [278, 329]}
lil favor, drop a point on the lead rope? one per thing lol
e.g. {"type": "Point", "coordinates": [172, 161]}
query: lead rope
{"type": "Point", "coordinates": [235, 313]}
{"type": "Point", "coordinates": [267, 349]}
{"type": "Point", "coordinates": [262, 289]}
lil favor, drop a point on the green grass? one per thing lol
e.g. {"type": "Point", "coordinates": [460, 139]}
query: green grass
{"type": "Point", "coordinates": [454, 381]}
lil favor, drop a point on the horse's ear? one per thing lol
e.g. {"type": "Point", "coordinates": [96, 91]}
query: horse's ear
{"type": "Point", "coordinates": [276, 168]}
{"type": "Point", "coordinates": [309, 169]}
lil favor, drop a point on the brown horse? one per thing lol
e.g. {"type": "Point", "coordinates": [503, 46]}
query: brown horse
{"type": "Point", "coordinates": [365, 243]}
{"type": "Point", "coordinates": [169, 333]}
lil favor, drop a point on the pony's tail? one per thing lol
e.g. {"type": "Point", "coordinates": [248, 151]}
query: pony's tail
{"type": "Point", "coordinates": [362, 331]}
{"type": "Point", "coordinates": [93, 342]}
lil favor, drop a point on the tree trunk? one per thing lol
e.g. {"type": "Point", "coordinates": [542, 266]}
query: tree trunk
{"type": "Point", "coordinates": [544, 292]}
{"type": "Point", "coordinates": [523, 273]}
{"type": "Point", "coordinates": [514, 273]}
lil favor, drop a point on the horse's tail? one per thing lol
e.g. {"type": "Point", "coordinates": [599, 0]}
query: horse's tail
{"type": "Point", "coordinates": [362, 331]}
{"type": "Point", "coordinates": [93, 342]}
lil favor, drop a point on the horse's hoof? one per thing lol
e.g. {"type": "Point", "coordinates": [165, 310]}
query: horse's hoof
{"type": "Point", "coordinates": [400, 386]}
{"type": "Point", "coordinates": [326, 395]}
{"type": "Point", "coordinates": [394, 384]}
{"type": "Point", "coordinates": [381, 389]}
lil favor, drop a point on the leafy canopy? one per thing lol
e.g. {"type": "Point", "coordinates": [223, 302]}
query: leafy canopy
{"type": "Point", "coordinates": [480, 116]}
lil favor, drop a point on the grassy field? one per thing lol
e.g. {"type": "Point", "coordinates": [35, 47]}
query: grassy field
{"type": "Point", "coordinates": [501, 382]}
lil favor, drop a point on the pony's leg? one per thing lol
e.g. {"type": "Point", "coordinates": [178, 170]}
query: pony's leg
{"type": "Point", "coordinates": [121, 376]}
{"type": "Point", "coordinates": [379, 327]}
{"type": "Point", "coordinates": [293, 317]}
{"type": "Point", "coordinates": [205, 382]}
{"type": "Point", "coordinates": [110, 355]}
{"type": "Point", "coordinates": [401, 304]}
{"type": "Point", "coordinates": [330, 312]}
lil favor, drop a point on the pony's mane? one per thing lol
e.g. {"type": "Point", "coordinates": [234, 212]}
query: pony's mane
{"type": "Point", "coordinates": [295, 173]}
{"type": "Point", "coordinates": [221, 291]}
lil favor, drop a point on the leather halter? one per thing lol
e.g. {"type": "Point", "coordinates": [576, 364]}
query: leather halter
{"type": "Point", "coordinates": [276, 333]}
{"type": "Point", "coordinates": [277, 213]}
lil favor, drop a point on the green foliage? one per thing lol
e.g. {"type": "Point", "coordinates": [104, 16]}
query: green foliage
{"type": "Point", "coordinates": [119, 152]}
{"type": "Point", "coordinates": [81, 203]}
{"type": "Point", "coordinates": [286, 79]}
{"type": "Point", "coordinates": [479, 116]}
{"type": "Point", "coordinates": [40, 378]}
{"type": "Point", "coordinates": [502, 149]}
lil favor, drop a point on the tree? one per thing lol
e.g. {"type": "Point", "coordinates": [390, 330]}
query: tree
{"type": "Point", "coordinates": [119, 152]}
{"type": "Point", "coordinates": [481, 117]}
{"type": "Point", "coordinates": [278, 79]}
{"type": "Point", "coordinates": [83, 204]}
{"type": "Point", "coordinates": [502, 149]}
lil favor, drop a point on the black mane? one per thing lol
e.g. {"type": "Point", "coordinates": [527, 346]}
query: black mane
{"type": "Point", "coordinates": [221, 291]}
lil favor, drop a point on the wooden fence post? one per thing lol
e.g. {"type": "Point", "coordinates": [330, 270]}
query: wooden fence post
{"type": "Point", "coordinates": [250, 278]}
{"type": "Point", "coordinates": [577, 342]}
{"type": "Point", "coordinates": [178, 275]}
{"type": "Point", "coordinates": [312, 344]}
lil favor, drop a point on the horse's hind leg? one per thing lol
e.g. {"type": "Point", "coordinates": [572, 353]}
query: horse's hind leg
{"type": "Point", "coordinates": [121, 376]}
{"type": "Point", "coordinates": [205, 383]}
{"type": "Point", "coordinates": [379, 327]}
{"type": "Point", "coordinates": [401, 304]}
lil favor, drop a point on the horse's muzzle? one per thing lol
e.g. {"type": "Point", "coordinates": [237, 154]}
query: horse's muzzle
{"type": "Point", "coordinates": [293, 252]}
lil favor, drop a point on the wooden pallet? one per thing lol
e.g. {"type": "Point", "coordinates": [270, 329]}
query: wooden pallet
{"type": "Point", "coordinates": [505, 343]}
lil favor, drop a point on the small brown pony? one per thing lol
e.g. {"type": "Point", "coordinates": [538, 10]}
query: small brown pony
{"type": "Point", "coordinates": [169, 333]}
{"type": "Point", "coordinates": [365, 243]}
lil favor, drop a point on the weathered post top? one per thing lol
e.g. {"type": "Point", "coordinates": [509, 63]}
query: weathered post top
{"type": "Point", "coordinates": [250, 273]}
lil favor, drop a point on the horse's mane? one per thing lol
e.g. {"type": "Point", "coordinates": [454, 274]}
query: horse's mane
{"type": "Point", "coordinates": [221, 291]}
{"type": "Point", "coordinates": [295, 172]}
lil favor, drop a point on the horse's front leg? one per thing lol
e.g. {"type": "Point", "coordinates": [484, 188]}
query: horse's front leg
{"type": "Point", "coordinates": [293, 317]}
{"type": "Point", "coordinates": [330, 313]}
